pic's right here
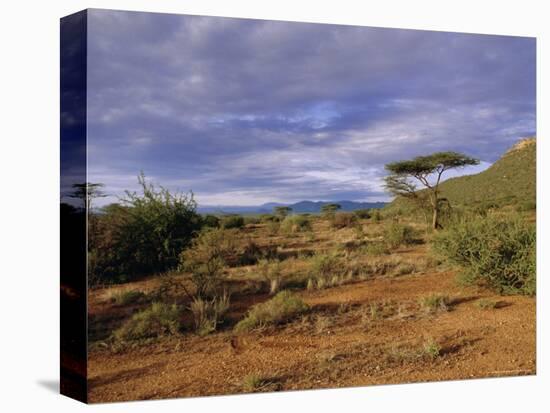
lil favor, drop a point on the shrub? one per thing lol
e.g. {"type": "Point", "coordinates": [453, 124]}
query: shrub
{"type": "Point", "coordinates": [264, 218]}
{"type": "Point", "coordinates": [397, 234]}
{"type": "Point", "coordinates": [376, 216]}
{"type": "Point", "coordinates": [362, 213]}
{"type": "Point", "coordinates": [270, 271]}
{"type": "Point", "coordinates": [281, 308]}
{"type": "Point", "coordinates": [207, 257]}
{"type": "Point", "coordinates": [158, 320]}
{"type": "Point", "coordinates": [145, 235]}
{"type": "Point", "coordinates": [431, 349]}
{"type": "Point", "coordinates": [127, 297]}
{"type": "Point", "coordinates": [233, 221]}
{"type": "Point", "coordinates": [325, 270]}
{"type": "Point", "coordinates": [375, 248]}
{"type": "Point", "coordinates": [435, 302]}
{"type": "Point", "coordinates": [210, 221]}
{"type": "Point", "coordinates": [496, 252]}
{"type": "Point", "coordinates": [296, 223]}
{"type": "Point", "coordinates": [343, 220]}
{"type": "Point", "coordinates": [207, 314]}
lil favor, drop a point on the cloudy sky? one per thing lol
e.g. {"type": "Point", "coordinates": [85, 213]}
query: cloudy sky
{"type": "Point", "coordinates": [244, 112]}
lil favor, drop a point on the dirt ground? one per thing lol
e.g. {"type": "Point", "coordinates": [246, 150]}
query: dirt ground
{"type": "Point", "coordinates": [340, 342]}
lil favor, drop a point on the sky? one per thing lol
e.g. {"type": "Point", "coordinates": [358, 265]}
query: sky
{"type": "Point", "coordinates": [244, 112]}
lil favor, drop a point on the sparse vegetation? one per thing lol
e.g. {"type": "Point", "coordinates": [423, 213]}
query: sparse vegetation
{"type": "Point", "coordinates": [284, 306]}
{"type": "Point", "coordinates": [128, 297]}
{"type": "Point", "coordinates": [344, 220]}
{"type": "Point", "coordinates": [296, 223]}
{"type": "Point", "coordinates": [435, 302]}
{"type": "Point", "coordinates": [157, 320]}
{"type": "Point", "coordinates": [206, 259]}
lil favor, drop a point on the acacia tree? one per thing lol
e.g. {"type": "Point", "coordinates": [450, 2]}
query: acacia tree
{"type": "Point", "coordinates": [427, 170]}
{"type": "Point", "coordinates": [329, 210]}
{"type": "Point", "coordinates": [87, 192]}
{"type": "Point", "coordinates": [282, 211]}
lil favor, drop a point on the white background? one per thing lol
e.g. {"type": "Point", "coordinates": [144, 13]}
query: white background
{"type": "Point", "coordinates": [29, 169]}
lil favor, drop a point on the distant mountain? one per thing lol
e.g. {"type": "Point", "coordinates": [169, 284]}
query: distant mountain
{"type": "Point", "coordinates": [298, 207]}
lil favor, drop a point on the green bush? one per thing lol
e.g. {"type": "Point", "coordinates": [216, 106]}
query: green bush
{"type": "Point", "coordinates": [144, 235]}
{"type": "Point", "coordinates": [362, 213]}
{"type": "Point", "coordinates": [296, 223]}
{"type": "Point", "coordinates": [158, 320]}
{"type": "Point", "coordinates": [497, 252]}
{"type": "Point", "coordinates": [233, 221]}
{"type": "Point", "coordinates": [397, 234]}
{"type": "Point", "coordinates": [344, 220]}
{"type": "Point", "coordinates": [210, 221]}
{"type": "Point", "coordinates": [251, 220]}
{"type": "Point", "coordinates": [376, 216]}
{"type": "Point", "coordinates": [281, 308]}
{"type": "Point", "coordinates": [205, 260]}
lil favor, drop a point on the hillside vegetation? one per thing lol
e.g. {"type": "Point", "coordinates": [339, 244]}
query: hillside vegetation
{"type": "Point", "coordinates": [512, 179]}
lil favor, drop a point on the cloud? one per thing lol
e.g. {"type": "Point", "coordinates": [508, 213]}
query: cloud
{"type": "Point", "coordinates": [248, 111]}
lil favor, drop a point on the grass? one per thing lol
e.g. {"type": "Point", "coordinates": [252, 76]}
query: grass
{"type": "Point", "coordinates": [256, 383]}
{"type": "Point", "coordinates": [159, 319]}
{"type": "Point", "coordinates": [397, 234]}
{"type": "Point", "coordinates": [207, 314]}
{"type": "Point", "coordinates": [435, 302]}
{"type": "Point", "coordinates": [486, 304]}
{"type": "Point", "coordinates": [127, 297]}
{"type": "Point", "coordinates": [281, 308]}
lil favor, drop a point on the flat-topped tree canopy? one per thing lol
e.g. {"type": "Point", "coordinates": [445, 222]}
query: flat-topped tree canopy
{"type": "Point", "coordinates": [421, 168]}
{"type": "Point", "coordinates": [438, 162]}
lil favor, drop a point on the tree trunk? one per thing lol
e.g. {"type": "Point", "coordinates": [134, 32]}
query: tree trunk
{"type": "Point", "coordinates": [435, 217]}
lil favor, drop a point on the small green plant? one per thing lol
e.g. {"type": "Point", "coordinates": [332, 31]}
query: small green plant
{"type": "Point", "coordinates": [128, 297]}
{"type": "Point", "coordinates": [432, 349]}
{"type": "Point", "coordinates": [376, 216]}
{"type": "Point", "coordinates": [207, 314]}
{"type": "Point", "coordinates": [435, 302]}
{"type": "Point", "coordinates": [486, 304]}
{"type": "Point", "coordinates": [281, 308]}
{"type": "Point", "coordinates": [158, 320]}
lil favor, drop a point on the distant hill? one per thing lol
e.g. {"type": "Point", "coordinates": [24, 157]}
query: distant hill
{"type": "Point", "coordinates": [298, 207]}
{"type": "Point", "coordinates": [510, 180]}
